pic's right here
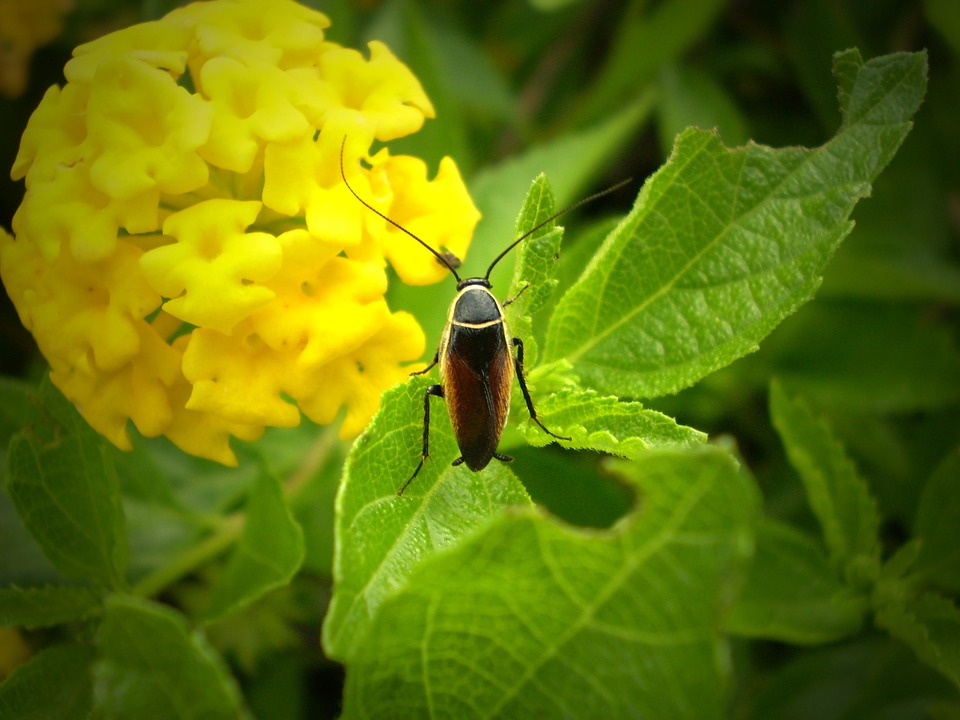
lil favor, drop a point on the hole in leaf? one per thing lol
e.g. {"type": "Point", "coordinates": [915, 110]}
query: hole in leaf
{"type": "Point", "coordinates": [572, 485]}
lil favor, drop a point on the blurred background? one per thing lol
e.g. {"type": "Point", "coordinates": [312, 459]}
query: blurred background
{"type": "Point", "coordinates": [611, 84]}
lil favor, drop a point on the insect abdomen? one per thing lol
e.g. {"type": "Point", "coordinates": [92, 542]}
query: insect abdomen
{"type": "Point", "coordinates": [477, 371]}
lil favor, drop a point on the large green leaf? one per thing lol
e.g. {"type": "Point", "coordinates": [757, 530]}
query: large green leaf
{"type": "Point", "coordinates": [531, 618]}
{"type": "Point", "coordinates": [723, 244]}
{"type": "Point", "coordinates": [64, 485]}
{"type": "Point", "coordinates": [150, 664]}
{"type": "Point", "coordinates": [381, 537]}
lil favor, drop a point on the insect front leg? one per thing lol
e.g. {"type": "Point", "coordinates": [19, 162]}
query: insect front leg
{"type": "Point", "coordinates": [512, 300]}
{"type": "Point", "coordinates": [518, 365]}
{"type": "Point", "coordinates": [428, 368]}
{"type": "Point", "coordinates": [436, 391]}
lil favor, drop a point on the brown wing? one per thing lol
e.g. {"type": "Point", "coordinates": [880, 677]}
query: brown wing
{"type": "Point", "coordinates": [477, 371]}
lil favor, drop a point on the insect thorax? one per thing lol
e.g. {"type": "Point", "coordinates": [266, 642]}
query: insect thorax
{"type": "Point", "coordinates": [475, 305]}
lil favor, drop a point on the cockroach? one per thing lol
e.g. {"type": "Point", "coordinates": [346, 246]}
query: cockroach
{"type": "Point", "coordinates": [475, 356]}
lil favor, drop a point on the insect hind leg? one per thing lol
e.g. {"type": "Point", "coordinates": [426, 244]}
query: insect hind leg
{"type": "Point", "coordinates": [436, 391]}
{"type": "Point", "coordinates": [526, 393]}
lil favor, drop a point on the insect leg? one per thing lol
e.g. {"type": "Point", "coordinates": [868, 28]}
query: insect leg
{"type": "Point", "coordinates": [436, 391]}
{"type": "Point", "coordinates": [514, 298]}
{"type": "Point", "coordinates": [526, 393]}
{"type": "Point", "coordinates": [428, 368]}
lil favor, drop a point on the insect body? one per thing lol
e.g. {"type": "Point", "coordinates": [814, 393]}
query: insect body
{"type": "Point", "coordinates": [476, 358]}
{"type": "Point", "coordinates": [476, 365]}
{"type": "Point", "coordinates": [476, 368]}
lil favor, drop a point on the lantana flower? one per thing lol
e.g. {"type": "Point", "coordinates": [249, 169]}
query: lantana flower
{"type": "Point", "coordinates": [187, 255]}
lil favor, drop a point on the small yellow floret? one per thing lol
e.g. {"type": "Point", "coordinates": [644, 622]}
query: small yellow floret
{"type": "Point", "coordinates": [213, 273]}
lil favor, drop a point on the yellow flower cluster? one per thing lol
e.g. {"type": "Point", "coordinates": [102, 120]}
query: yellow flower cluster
{"type": "Point", "coordinates": [25, 26]}
{"type": "Point", "coordinates": [187, 256]}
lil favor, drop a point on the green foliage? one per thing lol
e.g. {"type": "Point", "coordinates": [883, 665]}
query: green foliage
{"type": "Point", "coordinates": [651, 316]}
{"type": "Point", "coordinates": [66, 492]}
{"type": "Point", "coordinates": [268, 553]}
{"type": "Point", "coordinates": [792, 592]}
{"type": "Point", "coordinates": [838, 496]}
{"type": "Point", "coordinates": [823, 516]}
{"type": "Point", "coordinates": [150, 664]}
{"type": "Point", "coordinates": [54, 684]}
{"type": "Point", "coordinates": [46, 606]}
{"type": "Point", "coordinates": [511, 621]}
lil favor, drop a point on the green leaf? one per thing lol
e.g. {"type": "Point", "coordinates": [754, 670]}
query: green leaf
{"type": "Point", "coordinates": [792, 594]}
{"type": "Point", "coordinates": [17, 408]}
{"type": "Point", "coordinates": [606, 424]}
{"type": "Point", "coordinates": [530, 618]}
{"type": "Point", "coordinates": [938, 518]}
{"type": "Point", "coordinates": [840, 498]}
{"type": "Point", "coordinates": [931, 626]}
{"type": "Point", "coordinates": [382, 537]}
{"type": "Point", "coordinates": [723, 244]}
{"type": "Point", "coordinates": [151, 665]}
{"type": "Point", "coordinates": [63, 483]}
{"type": "Point", "coordinates": [42, 607]}
{"type": "Point", "coordinates": [536, 267]}
{"type": "Point", "coordinates": [54, 684]}
{"type": "Point", "coordinates": [534, 273]}
{"type": "Point", "coordinates": [268, 554]}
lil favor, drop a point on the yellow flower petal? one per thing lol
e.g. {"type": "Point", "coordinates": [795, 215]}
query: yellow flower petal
{"type": "Point", "coordinates": [144, 131]}
{"type": "Point", "coordinates": [139, 390]}
{"type": "Point", "coordinates": [239, 378]}
{"type": "Point", "coordinates": [159, 44]}
{"type": "Point", "coordinates": [86, 314]}
{"type": "Point", "coordinates": [270, 32]}
{"type": "Point", "coordinates": [332, 310]}
{"type": "Point", "coordinates": [68, 209]}
{"type": "Point", "coordinates": [382, 91]}
{"type": "Point", "coordinates": [214, 271]}
{"type": "Point", "coordinates": [356, 380]}
{"type": "Point", "coordinates": [251, 106]}
{"type": "Point", "coordinates": [54, 137]}
{"type": "Point", "coordinates": [438, 211]}
{"type": "Point", "coordinates": [204, 434]}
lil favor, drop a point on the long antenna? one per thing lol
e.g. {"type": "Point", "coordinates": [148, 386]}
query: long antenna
{"type": "Point", "coordinates": [443, 261]}
{"type": "Point", "coordinates": [583, 201]}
